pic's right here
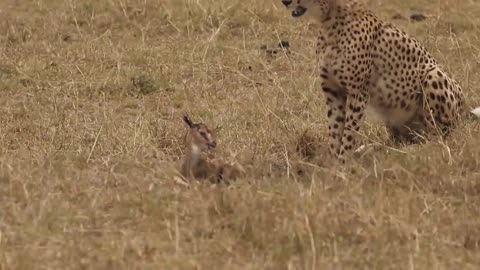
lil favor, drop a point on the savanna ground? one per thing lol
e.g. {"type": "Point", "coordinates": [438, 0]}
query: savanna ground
{"type": "Point", "coordinates": [91, 98]}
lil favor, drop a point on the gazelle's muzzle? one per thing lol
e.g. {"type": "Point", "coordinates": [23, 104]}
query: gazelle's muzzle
{"type": "Point", "coordinates": [212, 145]}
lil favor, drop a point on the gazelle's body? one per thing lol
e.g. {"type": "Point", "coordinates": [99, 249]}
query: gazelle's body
{"type": "Point", "coordinates": [197, 164]}
{"type": "Point", "coordinates": [199, 161]}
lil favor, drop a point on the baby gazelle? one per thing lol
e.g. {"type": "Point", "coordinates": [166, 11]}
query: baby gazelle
{"type": "Point", "coordinates": [199, 161]}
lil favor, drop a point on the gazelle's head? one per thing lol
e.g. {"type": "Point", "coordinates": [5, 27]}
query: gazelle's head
{"type": "Point", "coordinates": [199, 136]}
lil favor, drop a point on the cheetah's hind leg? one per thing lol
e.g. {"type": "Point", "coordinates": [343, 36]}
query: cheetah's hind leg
{"type": "Point", "coordinates": [442, 103]}
{"type": "Point", "coordinates": [407, 134]}
{"type": "Point", "coordinates": [397, 137]}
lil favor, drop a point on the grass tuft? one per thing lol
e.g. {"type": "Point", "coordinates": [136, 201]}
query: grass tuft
{"type": "Point", "coordinates": [92, 94]}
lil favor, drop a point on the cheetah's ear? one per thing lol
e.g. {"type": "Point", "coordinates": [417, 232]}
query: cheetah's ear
{"type": "Point", "coordinates": [187, 120]}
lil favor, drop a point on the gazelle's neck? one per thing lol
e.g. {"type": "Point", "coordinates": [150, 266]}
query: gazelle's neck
{"type": "Point", "coordinates": [195, 154]}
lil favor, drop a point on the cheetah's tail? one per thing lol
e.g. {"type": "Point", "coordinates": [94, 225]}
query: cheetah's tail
{"type": "Point", "coordinates": [476, 112]}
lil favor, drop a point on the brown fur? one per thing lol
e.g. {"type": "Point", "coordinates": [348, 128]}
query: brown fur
{"type": "Point", "coordinates": [199, 161]}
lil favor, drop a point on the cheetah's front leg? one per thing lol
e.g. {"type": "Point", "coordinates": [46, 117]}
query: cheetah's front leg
{"type": "Point", "coordinates": [336, 101]}
{"type": "Point", "coordinates": [355, 113]}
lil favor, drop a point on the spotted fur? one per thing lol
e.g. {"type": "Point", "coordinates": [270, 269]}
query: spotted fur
{"type": "Point", "coordinates": [367, 62]}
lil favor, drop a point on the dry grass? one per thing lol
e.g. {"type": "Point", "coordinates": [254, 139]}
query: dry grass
{"type": "Point", "coordinates": [91, 98]}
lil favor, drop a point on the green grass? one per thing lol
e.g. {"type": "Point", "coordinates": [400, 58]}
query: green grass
{"type": "Point", "coordinates": [92, 94]}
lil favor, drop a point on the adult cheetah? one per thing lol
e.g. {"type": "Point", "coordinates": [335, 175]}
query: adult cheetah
{"type": "Point", "coordinates": [366, 62]}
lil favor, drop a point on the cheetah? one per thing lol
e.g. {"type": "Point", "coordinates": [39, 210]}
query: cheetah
{"type": "Point", "coordinates": [365, 62]}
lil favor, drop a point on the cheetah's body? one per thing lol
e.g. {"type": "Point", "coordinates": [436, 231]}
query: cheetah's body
{"type": "Point", "coordinates": [366, 62]}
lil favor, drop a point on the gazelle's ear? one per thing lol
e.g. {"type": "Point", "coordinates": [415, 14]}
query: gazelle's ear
{"type": "Point", "coordinates": [187, 120]}
{"type": "Point", "coordinates": [217, 129]}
